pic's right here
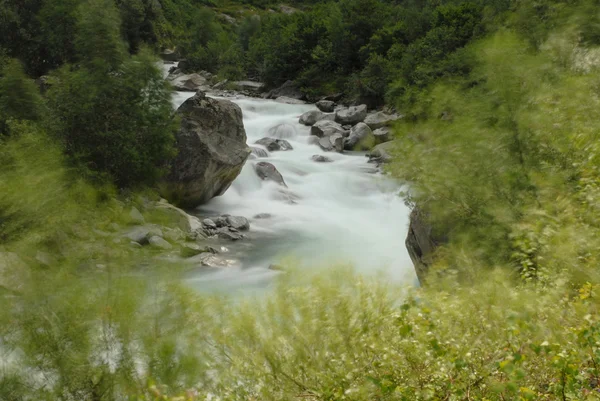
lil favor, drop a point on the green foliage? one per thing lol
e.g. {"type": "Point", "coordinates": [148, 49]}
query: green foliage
{"type": "Point", "coordinates": [19, 97]}
{"type": "Point", "coordinates": [113, 114]}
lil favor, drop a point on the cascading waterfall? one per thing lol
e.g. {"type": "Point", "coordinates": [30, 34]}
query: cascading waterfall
{"type": "Point", "coordinates": [342, 212]}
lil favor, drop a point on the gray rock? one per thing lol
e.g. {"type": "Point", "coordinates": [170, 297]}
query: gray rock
{"type": "Point", "coordinates": [259, 152]}
{"type": "Point", "coordinates": [268, 172]}
{"type": "Point", "coordinates": [238, 222]}
{"type": "Point", "coordinates": [381, 153]}
{"type": "Point", "coordinates": [229, 234]}
{"type": "Point", "coordinates": [208, 223]}
{"type": "Point", "coordinates": [249, 86]}
{"type": "Point", "coordinates": [352, 115]}
{"type": "Point", "coordinates": [221, 221]}
{"type": "Point", "coordinates": [282, 131]}
{"type": "Point", "coordinates": [212, 151]}
{"type": "Point", "coordinates": [185, 222]}
{"type": "Point", "coordinates": [325, 128]}
{"type": "Point", "coordinates": [288, 89]}
{"type": "Point", "coordinates": [321, 159]}
{"type": "Point", "coordinates": [139, 234]}
{"type": "Point", "coordinates": [422, 242]}
{"type": "Point", "coordinates": [274, 145]}
{"type": "Point", "coordinates": [382, 135]}
{"type": "Point", "coordinates": [159, 243]}
{"type": "Point", "coordinates": [221, 85]}
{"type": "Point", "coordinates": [380, 119]}
{"type": "Point", "coordinates": [326, 106]}
{"type": "Point", "coordinates": [332, 143]}
{"type": "Point", "coordinates": [262, 216]}
{"type": "Point", "coordinates": [360, 138]}
{"type": "Point", "coordinates": [189, 250]}
{"type": "Point", "coordinates": [189, 83]}
{"type": "Point", "coordinates": [289, 100]}
{"type": "Point", "coordinates": [310, 118]}
{"type": "Point", "coordinates": [136, 217]}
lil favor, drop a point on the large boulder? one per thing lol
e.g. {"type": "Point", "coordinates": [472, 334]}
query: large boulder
{"type": "Point", "coordinates": [360, 138]}
{"type": "Point", "coordinates": [310, 118]}
{"type": "Point", "coordinates": [190, 83]}
{"type": "Point", "coordinates": [381, 119]}
{"type": "Point", "coordinates": [325, 128]}
{"type": "Point", "coordinates": [326, 106]}
{"type": "Point", "coordinates": [352, 115]}
{"type": "Point", "coordinates": [332, 143]}
{"type": "Point", "coordinates": [422, 242]}
{"type": "Point", "coordinates": [288, 89]}
{"type": "Point", "coordinates": [211, 145]}
{"type": "Point", "coordinates": [268, 172]}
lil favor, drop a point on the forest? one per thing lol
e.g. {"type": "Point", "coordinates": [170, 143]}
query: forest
{"type": "Point", "coordinates": [498, 144]}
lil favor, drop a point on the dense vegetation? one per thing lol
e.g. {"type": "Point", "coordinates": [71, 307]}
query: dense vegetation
{"type": "Point", "coordinates": [499, 147]}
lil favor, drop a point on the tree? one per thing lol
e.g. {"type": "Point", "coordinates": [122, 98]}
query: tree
{"type": "Point", "coordinates": [19, 97]}
{"type": "Point", "coordinates": [113, 114]}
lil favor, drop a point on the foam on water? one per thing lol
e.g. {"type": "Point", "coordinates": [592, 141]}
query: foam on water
{"type": "Point", "coordinates": [344, 211]}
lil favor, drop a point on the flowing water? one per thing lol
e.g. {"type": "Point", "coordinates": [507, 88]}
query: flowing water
{"type": "Point", "coordinates": [344, 212]}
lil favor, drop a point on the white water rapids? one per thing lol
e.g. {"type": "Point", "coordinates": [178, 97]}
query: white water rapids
{"type": "Point", "coordinates": [345, 213]}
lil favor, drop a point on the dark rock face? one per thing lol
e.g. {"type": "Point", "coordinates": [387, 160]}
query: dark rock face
{"type": "Point", "coordinates": [268, 172]}
{"type": "Point", "coordinates": [422, 243]}
{"type": "Point", "coordinates": [273, 145]}
{"type": "Point", "coordinates": [211, 145]}
{"type": "Point", "coordinates": [288, 89]}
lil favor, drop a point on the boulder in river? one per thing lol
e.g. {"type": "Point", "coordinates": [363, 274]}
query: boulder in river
{"type": "Point", "coordinates": [352, 115]}
{"type": "Point", "coordinates": [321, 159]}
{"type": "Point", "coordinates": [268, 172]}
{"type": "Point", "coordinates": [238, 222]}
{"type": "Point", "coordinates": [332, 143]}
{"type": "Point", "coordinates": [361, 138]}
{"type": "Point", "coordinates": [310, 118]}
{"type": "Point", "coordinates": [282, 131]}
{"type": "Point", "coordinates": [273, 145]}
{"type": "Point", "coordinates": [212, 150]}
{"type": "Point", "coordinates": [259, 152]}
{"type": "Point", "coordinates": [326, 106]}
{"type": "Point", "coordinates": [190, 83]}
{"type": "Point", "coordinates": [325, 128]}
{"type": "Point", "coordinates": [381, 119]}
